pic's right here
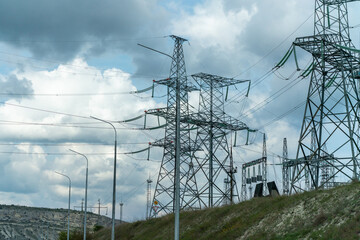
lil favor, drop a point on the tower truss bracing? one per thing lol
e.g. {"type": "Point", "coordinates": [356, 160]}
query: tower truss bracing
{"type": "Point", "coordinates": [214, 163]}
{"type": "Point", "coordinates": [163, 200]}
{"type": "Point", "coordinates": [148, 197]}
{"type": "Point", "coordinates": [331, 114]}
{"type": "Point", "coordinates": [285, 169]}
{"type": "Point", "coordinates": [205, 155]}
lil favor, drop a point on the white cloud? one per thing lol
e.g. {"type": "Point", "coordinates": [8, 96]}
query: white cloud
{"type": "Point", "coordinates": [35, 172]}
{"type": "Point", "coordinates": [211, 25]}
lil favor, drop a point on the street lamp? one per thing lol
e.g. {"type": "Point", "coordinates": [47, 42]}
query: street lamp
{"type": "Point", "coordinates": [68, 227]}
{"type": "Point", "coordinates": [86, 187]}
{"type": "Point", "coordinates": [114, 179]}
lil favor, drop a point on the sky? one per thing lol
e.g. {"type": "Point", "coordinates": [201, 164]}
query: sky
{"type": "Point", "coordinates": [64, 61]}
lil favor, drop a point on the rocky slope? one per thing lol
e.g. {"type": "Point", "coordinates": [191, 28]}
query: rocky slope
{"type": "Point", "coordinates": [20, 223]}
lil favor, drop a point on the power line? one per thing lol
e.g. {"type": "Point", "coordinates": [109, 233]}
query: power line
{"type": "Point", "coordinates": [69, 144]}
{"type": "Point", "coordinates": [276, 47]}
{"type": "Point", "coordinates": [72, 154]}
{"type": "Point", "coordinates": [82, 40]}
{"type": "Point", "coordinates": [267, 74]}
{"type": "Point", "coordinates": [283, 115]}
{"type": "Point", "coordinates": [44, 110]}
{"type": "Point", "coordinates": [274, 96]}
{"type": "Point", "coordinates": [71, 94]}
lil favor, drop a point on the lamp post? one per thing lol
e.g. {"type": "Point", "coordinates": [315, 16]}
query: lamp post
{"type": "Point", "coordinates": [86, 187]}
{"type": "Point", "coordinates": [114, 179]}
{"type": "Point", "coordinates": [68, 227]}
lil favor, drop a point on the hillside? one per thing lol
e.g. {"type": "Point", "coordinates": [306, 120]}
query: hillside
{"type": "Point", "coordinates": [19, 222]}
{"type": "Point", "coordinates": [325, 214]}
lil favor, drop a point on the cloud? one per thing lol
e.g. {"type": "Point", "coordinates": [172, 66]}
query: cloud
{"type": "Point", "coordinates": [211, 26]}
{"type": "Point", "coordinates": [13, 87]}
{"type": "Point", "coordinates": [28, 167]}
{"type": "Point", "coordinates": [86, 28]}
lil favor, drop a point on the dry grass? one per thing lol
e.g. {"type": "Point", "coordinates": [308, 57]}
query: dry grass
{"type": "Point", "coordinates": [331, 214]}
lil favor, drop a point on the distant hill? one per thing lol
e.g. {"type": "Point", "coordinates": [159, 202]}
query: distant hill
{"type": "Point", "coordinates": [323, 214]}
{"type": "Point", "coordinates": [20, 223]}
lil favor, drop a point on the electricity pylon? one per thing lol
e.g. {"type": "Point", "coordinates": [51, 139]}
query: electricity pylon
{"type": "Point", "coordinates": [332, 107]}
{"type": "Point", "coordinates": [164, 195]}
{"type": "Point", "coordinates": [206, 161]}
{"type": "Point", "coordinates": [214, 162]}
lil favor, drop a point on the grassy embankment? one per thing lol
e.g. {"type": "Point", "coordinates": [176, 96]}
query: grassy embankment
{"type": "Point", "coordinates": [325, 214]}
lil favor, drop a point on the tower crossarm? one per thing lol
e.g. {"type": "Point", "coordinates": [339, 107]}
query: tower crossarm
{"type": "Point", "coordinates": [334, 2]}
{"type": "Point", "coordinates": [254, 162]}
{"type": "Point", "coordinates": [163, 143]}
{"type": "Point", "coordinates": [329, 46]}
{"type": "Point", "coordinates": [311, 160]}
{"type": "Point", "coordinates": [204, 80]}
{"type": "Point", "coordinates": [171, 82]}
{"type": "Point", "coordinates": [160, 112]}
{"type": "Point", "coordinates": [168, 143]}
{"type": "Point", "coordinates": [225, 122]}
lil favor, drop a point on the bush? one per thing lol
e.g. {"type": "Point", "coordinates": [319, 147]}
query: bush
{"type": "Point", "coordinates": [98, 228]}
{"type": "Point", "coordinates": [74, 235]}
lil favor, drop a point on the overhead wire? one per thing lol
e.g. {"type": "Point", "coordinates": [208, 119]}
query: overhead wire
{"type": "Point", "coordinates": [274, 96]}
{"type": "Point", "coordinates": [276, 47]}
{"type": "Point", "coordinates": [267, 74]}
{"type": "Point", "coordinates": [44, 110]}
{"type": "Point", "coordinates": [68, 144]}
{"type": "Point", "coordinates": [283, 115]}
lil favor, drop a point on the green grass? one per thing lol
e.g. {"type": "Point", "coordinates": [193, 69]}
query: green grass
{"type": "Point", "coordinates": [330, 214]}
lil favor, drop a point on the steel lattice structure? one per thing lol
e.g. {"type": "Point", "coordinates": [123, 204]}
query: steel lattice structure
{"type": "Point", "coordinates": [163, 200]}
{"type": "Point", "coordinates": [205, 157]}
{"type": "Point", "coordinates": [214, 162]}
{"type": "Point", "coordinates": [285, 169]}
{"type": "Point", "coordinates": [331, 115]}
{"type": "Point", "coordinates": [261, 177]}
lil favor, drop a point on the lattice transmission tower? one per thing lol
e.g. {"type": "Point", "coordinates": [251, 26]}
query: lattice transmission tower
{"type": "Point", "coordinates": [331, 115]}
{"type": "Point", "coordinates": [177, 82]}
{"type": "Point", "coordinates": [213, 161]}
{"type": "Point", "coordinates": [205, 154]}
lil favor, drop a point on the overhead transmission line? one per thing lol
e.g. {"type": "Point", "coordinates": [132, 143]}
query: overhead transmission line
{"type": "Point", "coordinates": [67, 144]}
{"type": "Point", "coordinates": [283, 115]}
{"type": "Point", "coordinates": [274, 96]}
{"type": "Point", "coordinates": [276, 47]}
{"type": "Point", "coordinates": [267, 74]}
